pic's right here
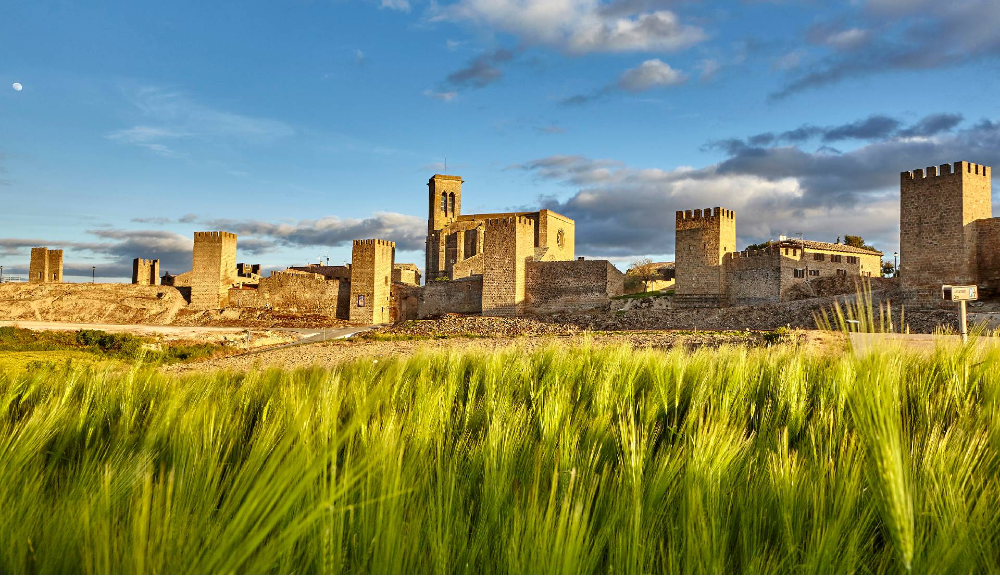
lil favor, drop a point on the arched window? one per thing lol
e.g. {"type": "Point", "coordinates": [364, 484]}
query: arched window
{"type": "Point", "coordinates": [452, 196]}
{"type": "Point", "coordinates": [444, 202]}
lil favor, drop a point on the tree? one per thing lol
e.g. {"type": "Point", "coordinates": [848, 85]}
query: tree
{"type": "Point", "coordinates": [644, 271]}
{"type": "Point", "coordinates": [857, 242]}
{"type": "Point", "coordinates": [888, 269]}
{"type": "Point", "coordinates": [759, 245]}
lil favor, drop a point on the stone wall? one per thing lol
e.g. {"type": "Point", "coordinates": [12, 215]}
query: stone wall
{"type": "Point", "coordinates": [46, 266]}
{"type": "Point", "coordinates": [571, 285]}
{"type": "Point", "coordinates": [468, 267]}
{"type": "Point", "coordinates": [371, 281]}
{"type": "Point", "coordinates": [988, 230]}
{"type": "Point", "coordinates": [509, 243]}
{"type": "Point", "coordinates": [702, 240]}
{"type": "Point", "coordinates": [214, 269]}
{"type": "Point", "coordinates": [458, 296]}
{"type": "Point", "coordinates": [938, 237]}
{"type": "Point", "coordinates": [754, 277]}
{"type": "Point", "coordinates": [406, 301]}
{"type": "Point", "coordinates": [146, 272]}
{"type": "Point", "coordinates": [295, 292]}
{"type": "Point", "coordinates": [328, 272]}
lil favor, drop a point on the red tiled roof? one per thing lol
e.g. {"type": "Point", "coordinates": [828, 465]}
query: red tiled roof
{"type": "Point", "coordinates": [830, 246]}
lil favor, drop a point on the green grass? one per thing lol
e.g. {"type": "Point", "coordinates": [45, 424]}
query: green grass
{"type": "Point", "coordinates": [92, 346]}
{"type": "Point", "coordinates": [579, 460]}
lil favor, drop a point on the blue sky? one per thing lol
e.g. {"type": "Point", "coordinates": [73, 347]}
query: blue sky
{"type": "Point", "coordinates": [303, 124]}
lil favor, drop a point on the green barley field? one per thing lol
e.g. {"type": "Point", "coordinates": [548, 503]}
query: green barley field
{"type": "Point", "coordinates": [584, 460]}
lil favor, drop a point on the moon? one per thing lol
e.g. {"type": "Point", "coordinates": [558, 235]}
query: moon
{"type": "Point", "coordinates": [17, 86]}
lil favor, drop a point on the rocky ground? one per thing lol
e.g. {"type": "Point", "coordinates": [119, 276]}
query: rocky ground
{"type": "Point", "coordinates": [655, 313]}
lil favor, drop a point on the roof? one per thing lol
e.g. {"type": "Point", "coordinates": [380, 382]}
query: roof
{"type": "Point", "coordinates": [406, 265]}
{"type": "Point", "coordinates": [830, 246]}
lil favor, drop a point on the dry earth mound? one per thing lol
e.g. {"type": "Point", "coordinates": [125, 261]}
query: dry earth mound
{"type": "Point", "coordinates": [90, 303]}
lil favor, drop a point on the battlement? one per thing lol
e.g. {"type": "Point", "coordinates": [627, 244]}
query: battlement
{"type": "Point", "coordinates": [214, 236]}
{"type": "Point", "coordinates": [957, 168]}
{"type": "Point", "coordinates": [759, 253]}
{"type": "Point", "coordinates": [707, 214]}
{"type": "Point", "coordinates": [507, 220]}
{"type": "Point", "coordinates": [375, 242]}
{"type": "Point", "coordinates": [146, 262]}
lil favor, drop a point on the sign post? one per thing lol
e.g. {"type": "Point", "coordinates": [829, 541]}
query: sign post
{"type": "Point", "coordinates": [960, 294]}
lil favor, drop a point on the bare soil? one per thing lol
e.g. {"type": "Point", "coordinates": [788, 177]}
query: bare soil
{"type": "Point", "coordinates": [127, 304]}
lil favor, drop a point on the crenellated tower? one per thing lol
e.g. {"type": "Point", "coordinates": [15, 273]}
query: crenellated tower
{"type": "Point", "coordinates": [938, 235]}
{"type": "Point", "coordinates": [371, 281]}
{"type": "Point", "coordinates": [703, 238]}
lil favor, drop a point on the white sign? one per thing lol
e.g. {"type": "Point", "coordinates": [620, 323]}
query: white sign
{"type": "Point", "coordinates": [959, 292]}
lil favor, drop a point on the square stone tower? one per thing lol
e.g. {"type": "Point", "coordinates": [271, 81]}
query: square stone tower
{"type": "Point", "coordinates": [146, 272]}
{"type": "Point", "coordinates": [371, 281]}
{"type": "Point", "coordinates": [214, 269]}
{"type": "Point", "coordinates": [444, 195]}
{"type": "Point", "coordinates": [938, 238]}
{"type": "Point", "coordinates": [702, 240]}
{"type": "Point", "coordinates": [509, 244]}
{"type": "Point", "coordinates": [46, 266]}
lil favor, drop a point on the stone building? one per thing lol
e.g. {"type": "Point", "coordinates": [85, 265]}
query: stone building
{"type": "Point", "coordinates": [406, 273]}
{"type": "Point", "coordinates": [456, 242]}
{"type": "Point", "coordinates": [371, 281]}
{"type": "Point", "coordinates": [502, 263]}
{"type": "Point", "coordinates": [46, 266]}
{"type": "Point", "coordinates": [146, 272]}
{"type": "Point", "coordinates": [947, 233]}
{"type": "Point", "coordinates": [710, 273]}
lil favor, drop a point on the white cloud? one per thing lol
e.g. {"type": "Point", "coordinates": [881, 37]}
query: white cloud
{"type": "Point", "coordinates": [445, 96]}
{"type": "Point", "coordinates": [577, 26]}
{"type": "Point", "coordinates": [400, 5]}
{"type": "Point", "coordinates": [650, 74]}
{"type": "Point", "coordinates": [708, 68]}
{"type": "Point", "coordinates": [789, 61]}
{"type": "Point", "coordinates": [169, 119]}
{"type": "Point", "coordinates": [848, 39]}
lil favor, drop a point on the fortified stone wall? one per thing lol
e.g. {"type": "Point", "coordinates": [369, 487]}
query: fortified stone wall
{"type": "Point", "coordinates": [754, 277]}
{"type": "Point", "coordinates": [463, 296]}
{"type": "Point", "coordinates": [295, 292]}
{"type": "Point", "coordinates": [938, 237]}
{"type": "Point", "coordinates": [572, 285]}
{"type": "Point", "coordinates": [146, 272]}
{"type": "Point", "coordinates": [468, 267]}
{"type": "Point", "coordinates": [214, 269]}
{"type": "Point", "coordinates": [702, 240]}
{"type": "Point", "coordinates": [371, 281]}
{"type": "Point", "coordinates": [46, 266]}
{"type": "Point", "coordinates": [988, 230]}
{"type": "Point", "coordinates": [406, 301]}
{"type": "Point", "coordinates": [509, 243]}
{"type": "Point", "coordinates": [328, 272]}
